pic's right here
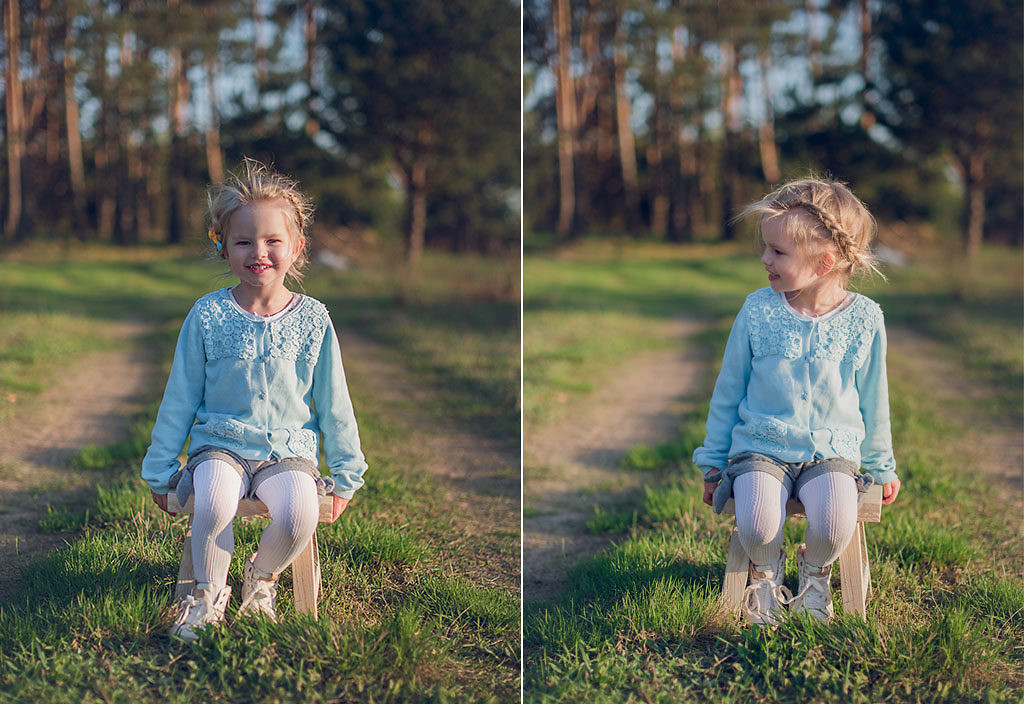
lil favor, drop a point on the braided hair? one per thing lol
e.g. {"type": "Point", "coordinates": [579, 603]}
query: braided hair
{"type": "Point", "coordinates": [257, 183]}
{"type": "Point", "coordinates": [827, 214]}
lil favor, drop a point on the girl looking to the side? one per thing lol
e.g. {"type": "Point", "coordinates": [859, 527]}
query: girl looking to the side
{"type": "Point", "coordinates": [801, 403]}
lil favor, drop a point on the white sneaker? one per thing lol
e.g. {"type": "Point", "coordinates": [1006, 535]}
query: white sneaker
{"type": "Point", "coordinates": [765, 596]}
{"type": "Point", "coordinates": [814, 596]}
{"type": "Point", "coordinates": [196, 610]}
{"type": "Point", "coordinates": [258, 592]}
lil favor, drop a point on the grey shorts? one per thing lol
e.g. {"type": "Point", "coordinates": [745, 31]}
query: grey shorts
{"type": "Point", "coordinates": [252, 472]}
{"type": "Point", "coordinates": [793, 475]}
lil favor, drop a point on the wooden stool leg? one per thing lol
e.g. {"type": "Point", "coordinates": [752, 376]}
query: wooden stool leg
{"type": "Point", "coordinates": [317, 581]}
{"type": "Point", "coordinates": [736, 567]}
{"type": "Point", "coordinates": [852, 571]}
{"type": "Point", "coordinates": [306, 578]}
{"type": "Point", "coordinates": [186, 577]}
{"type": "Point", "coordinates": [862, 534]}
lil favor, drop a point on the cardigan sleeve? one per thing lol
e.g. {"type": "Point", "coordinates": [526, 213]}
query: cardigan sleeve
{"type": "Point", "coordinates": [730, 390]}
{"type": "Point", "coordinates": [182, 399]}
{"type": "Point", "coordinates": [336, 418]}
{"type": "Point", "coordinates": [873, 390]}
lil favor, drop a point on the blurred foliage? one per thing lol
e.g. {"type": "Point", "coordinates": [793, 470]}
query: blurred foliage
{"type": "Point", "coordinates": [164, 97]}
{"type": "Point", "coordinates": [726, 99]}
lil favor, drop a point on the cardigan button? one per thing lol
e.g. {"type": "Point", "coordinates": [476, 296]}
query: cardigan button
{"type": "Point", "coordinates": [261, 396]}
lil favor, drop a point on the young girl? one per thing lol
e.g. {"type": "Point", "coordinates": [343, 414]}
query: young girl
{"type": "Point", "coordinates": [256, 383]}
{"type": "Point", "coordinates": [801, 403]}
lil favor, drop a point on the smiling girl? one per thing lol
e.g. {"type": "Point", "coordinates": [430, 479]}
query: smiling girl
{"type": "Point", "coordinates": [801, 403]}
{"type": "Point", "coordinates": [256, 383]}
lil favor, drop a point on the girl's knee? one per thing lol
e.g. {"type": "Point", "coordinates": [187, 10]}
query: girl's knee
{"type": "Point", "coordinates": [301, 524]}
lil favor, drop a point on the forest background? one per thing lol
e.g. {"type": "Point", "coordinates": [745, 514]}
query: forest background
{"type": "Point", "coordinates": [662, 119]}
{"type": "Point", "coordinates": [118, 113]}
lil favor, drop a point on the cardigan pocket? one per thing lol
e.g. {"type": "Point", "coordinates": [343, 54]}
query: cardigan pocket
{"type": "Point", "coordinates": [227, 429]}
{"type": "Point", "coordinates": [845, 443]}
{"type": "Point", "coordinates": [302, 443]}
{"type": "Point", "coordinates": [770, 434]}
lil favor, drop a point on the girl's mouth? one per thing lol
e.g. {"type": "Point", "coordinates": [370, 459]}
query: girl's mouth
{"type": "Point", "coordinates": [258, 268]}
{"type": "Point", "coordinates": [773, 277]}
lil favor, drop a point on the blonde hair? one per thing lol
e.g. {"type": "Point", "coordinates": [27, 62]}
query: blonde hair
{"type": "Point", "coordinates": [257, 183]}
{"type": "Point", "coordinates": [825, 214]}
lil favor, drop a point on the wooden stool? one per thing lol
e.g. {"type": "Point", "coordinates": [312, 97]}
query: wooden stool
{"type": "Point", "coordinates": [854, 572]}
{"type": "Point", "coordinates": [305, 568]}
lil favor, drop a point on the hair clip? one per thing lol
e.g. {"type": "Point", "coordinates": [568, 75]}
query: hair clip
{"type": "Point", "coordinates": [215, 239]}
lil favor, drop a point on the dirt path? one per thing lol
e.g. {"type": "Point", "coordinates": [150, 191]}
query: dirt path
{"type": "Point", "coordinates": [481, 474]}
{"type": "Point", "coordinates": [88, 403]}
{"type": "Point", "coordinates": [992, 442]}
{"type": "Point", "coordinates": [571, 464]}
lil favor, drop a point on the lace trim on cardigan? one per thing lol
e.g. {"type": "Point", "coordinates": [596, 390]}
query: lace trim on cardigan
{"type": "Point", "coordinates": [229, 334]}
{"type": "Point", "coordinates": [845, 337]}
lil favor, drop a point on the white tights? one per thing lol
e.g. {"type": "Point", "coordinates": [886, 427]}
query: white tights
{"type": "Point", "coordinates": [294, 509]}
{"type": "Point", "coordinates": [831, 504]}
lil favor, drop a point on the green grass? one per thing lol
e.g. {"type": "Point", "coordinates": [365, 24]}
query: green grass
{"type": "Point", "coordinates": [592, 307]}
{"type": "Point", "coordinates": [455, 324]}
{"type": "Point", "coordinates": [638, 622]}
{"type": "Point", "coordinates": [406, 611]}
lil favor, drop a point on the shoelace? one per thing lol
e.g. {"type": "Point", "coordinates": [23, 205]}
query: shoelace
{"type": "Point", "coordinates": [185, 606]}
{"type": "Point", "coordinates": [263, 596]}
{"type": "Point", "coordinates": [220, 603]}
{"type": "Point", "coordinates": [753, 609]}
{"type": "Point", "coordinates": [816, 584]}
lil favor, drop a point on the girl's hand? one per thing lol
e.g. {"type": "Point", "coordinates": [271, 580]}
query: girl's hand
{"type": "Point", "coordinates": [161, 501]}
{"type": "Point", "coordinates": [339, 505]}
{"type": "Point", "coordinates": [709, 492]}
{"type": "Point", "coordinates": [890, 490]}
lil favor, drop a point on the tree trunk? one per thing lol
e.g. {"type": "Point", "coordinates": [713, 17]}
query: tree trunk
{"type": "Point", "coordinates": [417, 215]}
{"type": "Point", "coordinates": [214, 158]}
{"type": "Point", "coordinates": [103, 155]}
{"type": "Point", "coordinates": [38, 44]}
{"type": "Point", "coordinates": [590, 81]}
{"type": "Point", "coordinates": [658, 144]}
{"type": "Point", "coordinates": [565, 108]}
{"type": "Point", "coordinates": [974, 222]}
{"type": "Point", "coordinates": [416, 199]}
{"type": "Point", "coordinates": [76, 164]}
{"type": "Point", "coordinates": [624, 129]}
{"type": "Point", "coordinates": [176, 163]}
{"type": "Point", "coordinates": [766, 130]}
{"type": "Point", "coordinates": [127, 224]}
{"type": "Point", "coordinates": [680, 220]}
{"type": "Point", "coordinates": [733, 83]}
{"type": "Point", "coordinates": [15, 120]}
{"type": "Point", "coordinates": [660, 202]}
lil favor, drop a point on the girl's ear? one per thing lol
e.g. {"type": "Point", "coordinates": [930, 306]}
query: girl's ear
{"type": "Point", "coordinates": [826, 263]}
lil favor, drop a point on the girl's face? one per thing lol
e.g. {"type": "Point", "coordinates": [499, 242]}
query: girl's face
{"type": "Point", "coordinates": [789, 269]}
{"type": "Point", "coordinates": [260, 246]}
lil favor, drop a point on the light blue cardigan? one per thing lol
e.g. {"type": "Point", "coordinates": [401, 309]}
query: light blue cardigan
{"type": "Point", "coordinates": [261, 389]}
{"type": "Point", "coordinates": [800, 389]}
